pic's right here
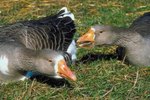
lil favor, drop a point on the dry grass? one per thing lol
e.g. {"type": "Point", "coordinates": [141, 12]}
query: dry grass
{"type": "Point", "coordinates": [98, 76]}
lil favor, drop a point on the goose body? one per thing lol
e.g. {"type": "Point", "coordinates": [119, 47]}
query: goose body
{"type": "Point", "coordinates": [135, 39]}
{"type": "Point", "coordinates": [55, 32]}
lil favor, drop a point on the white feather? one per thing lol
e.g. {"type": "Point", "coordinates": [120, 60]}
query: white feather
{"type": "Point", "coordinates": [93, 29]}
{"type": "Point", "coordinates": [23, 78]}
{"type": "Point", "coordinates": [66, 13]}
{"type": "Point", "coordinates": [72, 49]}
{"type": "Point", "coordinates": [4, 64]}
{"type": "Point", "coordinates": [56, 66]}
{"type": "Point", "coordinates": [65, 9]}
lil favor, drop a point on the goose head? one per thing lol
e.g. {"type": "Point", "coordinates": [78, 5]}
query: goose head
{"type": "Point", "coordinates": [97, 35]}
{"type": "Point", "coordinates": [53, 64]}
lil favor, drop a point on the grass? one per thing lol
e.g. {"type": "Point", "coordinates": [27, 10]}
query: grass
{"type": "Point", "coordinates": [98, 76]}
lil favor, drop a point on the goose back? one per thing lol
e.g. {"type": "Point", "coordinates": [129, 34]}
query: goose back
{"type": "Point", "coordinates": [55, 32]}
{"type": "Point", "coordinates": [142, 25]}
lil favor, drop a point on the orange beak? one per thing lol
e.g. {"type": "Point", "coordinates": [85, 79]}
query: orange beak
{"type": "Point", "coordinates": [64, 71]}
{"type": "Point", "coordinates": [87, 40]}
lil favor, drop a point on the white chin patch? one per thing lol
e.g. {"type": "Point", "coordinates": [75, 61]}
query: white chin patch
{"type": "Point", "coordinates": [92, 29]}
{"type": "Point", "coordinates": [58, 58]}
{"type": "Point", "coordinates": [66, 13]}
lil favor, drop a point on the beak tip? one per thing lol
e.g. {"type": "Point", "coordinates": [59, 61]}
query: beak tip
{"type": "Point", "coordinates": [65, 72]}
{"type": "Point", "coordinates": [74, 78]}
{"type": "Point", "coordinates": [79, 40]}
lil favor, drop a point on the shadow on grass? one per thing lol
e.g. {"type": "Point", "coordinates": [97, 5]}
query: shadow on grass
{"type": "Point", "coordinates": [51, 81]}
{"type": "Point", "coordinates": [90, 57]}
{"type": "Point", "coordinates": [96, 56]}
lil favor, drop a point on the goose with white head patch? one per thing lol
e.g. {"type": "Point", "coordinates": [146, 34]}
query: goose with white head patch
{"type": "Point", "coordinates": [134, 40]}
{"type": "Point", "coordinates": [55, 32]}
{"type": "Point", "coordinates": [15, 59]}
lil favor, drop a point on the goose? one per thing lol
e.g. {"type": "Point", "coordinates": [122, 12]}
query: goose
{"type": "Point", "coordinates": [16, 58]}
{"type": "Point", "coordinates": [135, 39]}
{"type": "Point", "coordinates": [55, 32]}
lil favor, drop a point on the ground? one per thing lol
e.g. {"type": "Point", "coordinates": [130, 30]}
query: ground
{"type": "Point", "coordinates": [100, 75]}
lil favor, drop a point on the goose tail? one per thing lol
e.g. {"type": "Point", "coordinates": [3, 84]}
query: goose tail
{"type": "Point", "coordinates": [63, 12]}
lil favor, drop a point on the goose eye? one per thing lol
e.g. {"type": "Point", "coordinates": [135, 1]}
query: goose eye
{"type": "Point", "coordinates": [49, 60]}
{"type": "Point", "coordinates": [101, 31]}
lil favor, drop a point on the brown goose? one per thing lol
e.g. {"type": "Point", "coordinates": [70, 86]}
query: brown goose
{"type": "Point", "coordinates": [135, 39]}
{"type": "Point", "coordinates": [55, 32]}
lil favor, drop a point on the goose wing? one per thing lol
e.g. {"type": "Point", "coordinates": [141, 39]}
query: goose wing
{"type": "Point", "coordinates": [55, 32]}
{"type": "Point", "coordinates": [142, 25]}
